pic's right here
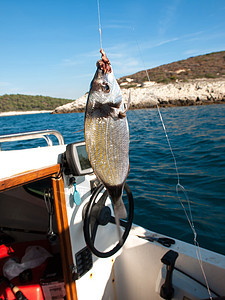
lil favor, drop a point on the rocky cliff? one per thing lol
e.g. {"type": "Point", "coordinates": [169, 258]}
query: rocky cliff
{"type": "Point", "coordinates": [193, 92]}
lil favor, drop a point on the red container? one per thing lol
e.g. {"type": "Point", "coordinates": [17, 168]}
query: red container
{"type": "Point", "coordinates": [31, 290]}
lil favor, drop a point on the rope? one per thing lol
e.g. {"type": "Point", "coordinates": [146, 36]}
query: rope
{"type": "Point", "coordinates": [99, 24]}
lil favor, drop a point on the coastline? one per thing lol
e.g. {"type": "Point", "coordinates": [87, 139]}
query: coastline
{"type": "Point", "coordinates": [17, 113]}
{"type": "Point", "coordinates": [194, 92]}
{"type": "Point", "coordinates": [150, 94]}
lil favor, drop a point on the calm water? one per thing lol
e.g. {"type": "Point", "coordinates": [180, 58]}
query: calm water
{"type": "Point", "coordinates": [197, 135]}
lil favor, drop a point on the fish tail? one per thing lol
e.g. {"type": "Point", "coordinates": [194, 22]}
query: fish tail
{"type": "Point", "coordinates": [120, 213]}
{"type": "Point", "coordinates": [119, 209]}
{"type": "Point", "coordinates": [115, 193]}
{"type": "Point", "coordinates": [118, 228]}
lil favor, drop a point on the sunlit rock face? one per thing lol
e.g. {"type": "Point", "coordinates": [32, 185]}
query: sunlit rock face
{"type": "Point", "coordinates": [193, 92]}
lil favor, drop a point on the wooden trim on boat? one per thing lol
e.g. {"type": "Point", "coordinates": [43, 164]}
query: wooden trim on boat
{"type": "Point", "coordinates": [61, 215]}
{"type": "Point", "coordinates": [26, 177]}
{"type": "Point", "coordinates": [65, 243]}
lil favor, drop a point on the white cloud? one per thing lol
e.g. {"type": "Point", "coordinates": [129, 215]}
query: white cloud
{"type": "Point", "coordinates": [168, 17]}
{"type": "Point", "coordinates": [163, 42]}
{"type": "Point", "coordinates": [79, 59]}
{"type": "Point", "coordinates": [4, 84]}
{"type": "Point", "coordinates": [117, 26]}
{"type": "Point", "coordinates": [192, 52]}
{"type": "Point", "coordinates": [206, 36]}
{"type": "Point", "coordinates": [190, 36]}
{"type": "Point", "coordinates": [128, 62]}
{"type": "Point", "coordinates": [157, 43]}
{"type": "Point", "coordinates": [195, 52]}
{"type": "Point", "coordinates": [68, 62]}
{"type": "Point", "coordinates": [125, 64]}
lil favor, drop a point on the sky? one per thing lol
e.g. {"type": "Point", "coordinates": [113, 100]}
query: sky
{"type": "Point", "coordinates": [50, 47]}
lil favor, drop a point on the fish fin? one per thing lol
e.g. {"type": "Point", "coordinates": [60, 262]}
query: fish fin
{"type": "Point", "coordinates": [128, 102]}
{"type": "Point", "coordinates": [122, 114]}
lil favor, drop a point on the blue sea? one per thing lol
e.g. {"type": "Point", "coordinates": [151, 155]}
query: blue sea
{"type": "Point", "coordinates": [197, 137]}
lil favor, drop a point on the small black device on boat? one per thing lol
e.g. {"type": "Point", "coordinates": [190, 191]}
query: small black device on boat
{"type": "Point", "coordinates": [76, 158]}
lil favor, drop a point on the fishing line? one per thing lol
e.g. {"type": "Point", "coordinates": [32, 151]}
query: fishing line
{"type": "Point", "coordinates": [99, 24]}
{"type": "Point", "coordinates": [180, 187]}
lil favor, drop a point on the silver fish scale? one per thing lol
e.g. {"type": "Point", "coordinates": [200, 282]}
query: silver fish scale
{"type": "Point", "coordinates": [107, 142]}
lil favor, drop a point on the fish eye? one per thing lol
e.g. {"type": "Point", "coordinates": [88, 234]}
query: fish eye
{"type": "Point", "coordinates": [106, 87]}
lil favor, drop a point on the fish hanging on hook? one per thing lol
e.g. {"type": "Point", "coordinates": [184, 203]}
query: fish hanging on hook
{"type": "Point", "coordinates": [107, 134]}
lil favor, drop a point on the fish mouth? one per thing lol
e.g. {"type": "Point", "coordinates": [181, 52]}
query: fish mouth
{"type": "Point", "coordinates": [99, 65]}
{"type": "Point", "coordinates": [100, 75]}
{"type": "Point", "coordinates": [102, 78]}
{"type": "Point", "coordinates": [101, 68]}
{"type": "Point", "coordinates": [101, 82]}
{"type": "Point", "coordinates": [104, 63]}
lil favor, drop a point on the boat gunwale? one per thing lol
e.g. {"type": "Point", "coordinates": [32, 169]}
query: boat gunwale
{"type": "Point", "coordinates": [28, 176]}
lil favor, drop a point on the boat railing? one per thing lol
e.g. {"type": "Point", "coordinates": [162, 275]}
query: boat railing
{"type": "Point", "coordinates": [33, 135]}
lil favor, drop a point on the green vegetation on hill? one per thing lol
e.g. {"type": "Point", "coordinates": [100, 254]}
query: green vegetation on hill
{"type": "Point", "coordinates": [29, 103]}
{"type": "Point", "coordinates": [210, 65]}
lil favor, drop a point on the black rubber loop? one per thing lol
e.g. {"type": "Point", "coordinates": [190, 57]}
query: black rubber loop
{"type": "Point", "coordinates": [87, 221]}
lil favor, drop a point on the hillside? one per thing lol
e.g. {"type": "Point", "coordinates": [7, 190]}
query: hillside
{"type": "Point", "coordinates": [29, 103]}
{"type": "Point", "coordinates": [197, 80]}
{"type": "Point", "coordinates": [210, 65]}
{"type": "Point", "coordinates": [177, 83]}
